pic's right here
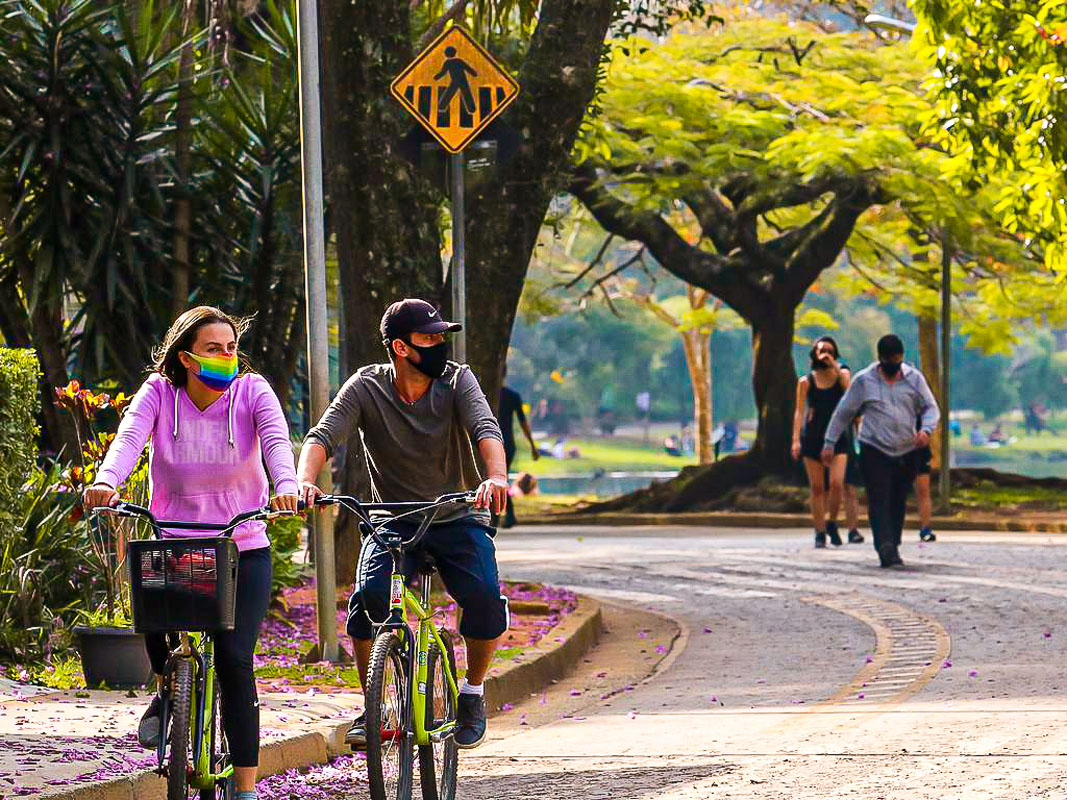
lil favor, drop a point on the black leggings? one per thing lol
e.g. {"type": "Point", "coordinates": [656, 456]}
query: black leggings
{"type": "Point", "coordinates": [233, 657]}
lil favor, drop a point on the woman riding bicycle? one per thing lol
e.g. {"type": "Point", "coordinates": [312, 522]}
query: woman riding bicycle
{"type": "Point", "coordinates": [211, 429]}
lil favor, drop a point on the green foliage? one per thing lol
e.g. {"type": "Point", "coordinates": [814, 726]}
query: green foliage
{"type": "Point", "coordinates": [284, 535]}
{"type": "Point", "coordinates": [43, 570]}
{"type": "Point", "coordinates": [18, 409]}
{"type": "Point", "coordinates": [1000, 106]}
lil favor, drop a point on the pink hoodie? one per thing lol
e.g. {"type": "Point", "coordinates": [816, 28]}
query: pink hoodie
{"type": "Point", "coordinates": [206, 465]}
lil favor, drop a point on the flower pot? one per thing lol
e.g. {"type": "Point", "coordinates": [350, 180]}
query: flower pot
{"type": "Point", "coordinates": [114, 658]}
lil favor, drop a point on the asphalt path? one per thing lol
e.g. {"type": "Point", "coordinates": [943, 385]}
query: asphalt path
{"type": "Point", "coordinates": [801, 673]}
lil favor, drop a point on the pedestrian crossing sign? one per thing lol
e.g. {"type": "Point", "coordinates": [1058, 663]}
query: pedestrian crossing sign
{"type": "Point", "coordinates": [455, 89]}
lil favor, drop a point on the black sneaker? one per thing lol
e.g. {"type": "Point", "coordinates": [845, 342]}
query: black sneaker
{"type": "Point", "coordinates": [832, 533]}
{"type": "Point", "coordinates": [855, 537]}
{"type": "Point", "coordinates": [470, 721]}
{"type": "Point", "coordinates": [148, 728]}
{"type": "Point", "coordinates": [356, 736]}
{"type": "Point", "coordinates": [927, 535]}
{"type": "Point", "coordinates": [820, 540]}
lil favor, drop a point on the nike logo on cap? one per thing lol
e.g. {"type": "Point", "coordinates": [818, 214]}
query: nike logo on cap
{"type": "Point", "coordinates": [433, 313]}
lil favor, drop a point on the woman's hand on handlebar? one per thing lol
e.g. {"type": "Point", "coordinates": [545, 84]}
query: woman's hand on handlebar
{"type": "Point", "coordinates": [284, 502]}
{"type": "Point", "coordinates": [492, 494]}
{"type": "Point", "coordinates": [99, 494]}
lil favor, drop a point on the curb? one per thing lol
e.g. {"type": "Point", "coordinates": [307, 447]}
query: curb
{"type": "Point", "coordinates": [726, 519]}
{"type": "Point", "coordinates": [580, 630]}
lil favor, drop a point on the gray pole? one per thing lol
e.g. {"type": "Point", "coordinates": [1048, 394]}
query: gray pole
{"type": "Point", "coordinates": [459, 260]}
{"type": "Point", "coordinates": [315, 296]}
{"type": "Point", "coordinates": [944, 486]}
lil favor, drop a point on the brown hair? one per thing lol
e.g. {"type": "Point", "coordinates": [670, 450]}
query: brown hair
{"type": "Point", "coordinates": [183, 333]}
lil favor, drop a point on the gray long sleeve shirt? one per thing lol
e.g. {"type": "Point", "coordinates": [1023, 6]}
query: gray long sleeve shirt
{"type": "Point", "coordinates": [414, 451]}
{"type": "Point", "coordinates": [889, 410]}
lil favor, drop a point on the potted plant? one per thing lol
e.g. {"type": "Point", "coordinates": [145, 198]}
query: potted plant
{"type": "Point", "coordinates": [112, 654]}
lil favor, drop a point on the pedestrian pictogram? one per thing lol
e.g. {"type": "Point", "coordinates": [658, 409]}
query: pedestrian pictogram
{"type": "Point", "coordinates": [455, 88]}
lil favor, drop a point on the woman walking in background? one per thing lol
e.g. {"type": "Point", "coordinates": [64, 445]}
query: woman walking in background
{"type": "Point", "coordinates": [818, 394]}
{"type": "Point", "coordinates": [211, 430]}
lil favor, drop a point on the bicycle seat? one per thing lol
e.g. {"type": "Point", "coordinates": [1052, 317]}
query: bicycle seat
{"type": "Point", "coordinates": [427, 565]}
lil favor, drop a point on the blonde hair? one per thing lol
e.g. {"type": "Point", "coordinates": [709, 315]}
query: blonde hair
{"type": "Point", "coordinates": [183, 333]}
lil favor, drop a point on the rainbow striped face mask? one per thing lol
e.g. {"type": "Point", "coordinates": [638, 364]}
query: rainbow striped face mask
{"type": "Point", "coordinates": [216, 372]}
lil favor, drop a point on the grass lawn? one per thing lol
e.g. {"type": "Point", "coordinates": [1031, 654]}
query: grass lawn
{"type": "Point", "coordinates": [607, 453]}
{"type": "Point", "coordinates": [1039, 443]}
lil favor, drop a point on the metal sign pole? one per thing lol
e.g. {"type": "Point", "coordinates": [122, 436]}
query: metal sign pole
{"type": "Point", "coordinates": [459, 255]}
{"type": "Point", "coordinates": [318, 355]}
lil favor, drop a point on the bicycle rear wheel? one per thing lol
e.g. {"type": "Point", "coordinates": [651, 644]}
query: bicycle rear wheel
{"type": "Point", "coordinates": [181, 694]}
{"type": "Point", "coordinates": [438, 760]}
{"type": "Point", "coordinates": [390, 752]}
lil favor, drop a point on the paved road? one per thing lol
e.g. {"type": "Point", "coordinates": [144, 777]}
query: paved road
{"type": "Point", "coordinates": [803, 673]}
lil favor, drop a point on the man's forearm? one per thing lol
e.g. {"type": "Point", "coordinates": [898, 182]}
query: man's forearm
{"type": "Point", "coordinates": [312, 459]}
{"type": "Point", "coordinates": [492, 451]}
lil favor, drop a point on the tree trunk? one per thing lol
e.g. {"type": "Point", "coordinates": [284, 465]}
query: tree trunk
{"type": "Point", "coordinates": [930, 364]}
{"type": "Point", "coordinates": [383, 212]}
{"type": "Point", "coordinates": [774, 381]}
{"type": "Point", "coordinates": [696, 345]}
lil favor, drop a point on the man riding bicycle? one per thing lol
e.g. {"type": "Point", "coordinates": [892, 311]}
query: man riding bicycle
{"type": "Point", "coordinates": [417, 417]}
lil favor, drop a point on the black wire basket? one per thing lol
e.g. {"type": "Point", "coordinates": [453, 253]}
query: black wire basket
{"type": "Point", "coordinates": [183, 584]}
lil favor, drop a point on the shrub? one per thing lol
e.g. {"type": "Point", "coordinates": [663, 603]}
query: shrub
{"type": "Point", "coordinates": [18, 429]}
{"type": "Point", "coordinates": [284, 535]}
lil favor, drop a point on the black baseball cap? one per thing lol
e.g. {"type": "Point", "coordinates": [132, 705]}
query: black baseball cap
{"type": "Point", "coordinates": [408, 316]}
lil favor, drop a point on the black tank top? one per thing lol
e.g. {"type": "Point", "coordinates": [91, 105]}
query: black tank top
{"type": "Point", "coordinates": [821, 405]}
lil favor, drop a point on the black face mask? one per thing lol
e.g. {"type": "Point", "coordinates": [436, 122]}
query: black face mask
{"type": "Point", "coordinates": [818, 363]}
{"type": "Point", "coordinates": [890, 368]}
{"type": "Point", "coordinates": [432, 360]}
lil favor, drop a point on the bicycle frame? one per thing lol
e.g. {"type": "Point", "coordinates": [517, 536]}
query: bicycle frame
{"type": "Point", "coordinates": [403, 605]}
{"type": "Point", "coordinates": [200, 648]}
{"type": "Point", "coordinates": [195, 646]}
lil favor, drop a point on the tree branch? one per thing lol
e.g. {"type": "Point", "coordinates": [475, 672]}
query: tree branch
{"type": "Point", "coordinates": [438, 24]}
{"type": "Point", "coordinates": [724, 276]}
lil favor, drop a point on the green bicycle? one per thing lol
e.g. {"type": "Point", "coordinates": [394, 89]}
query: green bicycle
{"type": "Point", "coordinates": [186, 588]}
{"type": "Point", "coordinates": [411, 688]}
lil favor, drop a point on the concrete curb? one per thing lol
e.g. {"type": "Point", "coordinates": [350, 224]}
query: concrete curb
{"type": "Point", "coordinates": [546, 662]}
{"type": "Point", "coordinates": [725, 519]}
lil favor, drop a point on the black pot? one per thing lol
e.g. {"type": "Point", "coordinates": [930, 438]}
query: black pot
{"type": "Point", "coordinates": [112, 657]}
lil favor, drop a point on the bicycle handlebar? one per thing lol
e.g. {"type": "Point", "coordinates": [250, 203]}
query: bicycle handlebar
{"type": "Point", "coordinates": [225, 529]}
{"type": "Point", "coordinates": [407, 509]}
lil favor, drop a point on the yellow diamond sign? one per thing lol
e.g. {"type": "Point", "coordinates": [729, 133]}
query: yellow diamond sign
{"type": "Point", "coordinates": [455, 88]}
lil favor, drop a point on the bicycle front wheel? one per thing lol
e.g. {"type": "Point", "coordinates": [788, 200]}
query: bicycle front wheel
{"type": "Point", "coordinates": [438, 760]}
{"type": "Point", "coordinates": [181, 694]}
{"type": "Point", "coordinates": [390, 751]}
{"type": "Point", "coordinates": [219, 757]}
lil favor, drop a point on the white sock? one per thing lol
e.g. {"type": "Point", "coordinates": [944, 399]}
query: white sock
{"type": "Point", "coordinates": [466, 688]}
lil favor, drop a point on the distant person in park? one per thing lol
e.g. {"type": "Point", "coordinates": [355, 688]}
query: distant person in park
{"type": "Point", "coordinates": [924, 458]}
{"type": "Point", "coordinates": [419, 417]}
{"type": "Point", "coordinates": [889, 395]}
{"type": "Point", "coordinates": [508, 409]}
{"type": "Point", "coordinates": [216, 433]}
{"type": "Point", "coordinates": [997, 436]}
{"type": "Point", "coordinates": [977, 438]}
{"type": "Point", "coordinates": [818, 394]}
{"type": "Point", "coordinates": [672, 446]}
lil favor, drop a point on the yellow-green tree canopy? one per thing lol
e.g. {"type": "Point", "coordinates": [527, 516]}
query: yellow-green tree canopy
{"type": "Point", "coordinates": [1000, 87]}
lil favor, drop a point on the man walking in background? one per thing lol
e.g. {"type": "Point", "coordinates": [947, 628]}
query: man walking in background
{"type": "Point", "coordinates": [889, 395]}
{"type": "Point", "coordinates": [510, 407]}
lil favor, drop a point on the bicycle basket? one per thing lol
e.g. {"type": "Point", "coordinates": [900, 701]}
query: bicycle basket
{"type": "Point", "coordinates": [183, 584]}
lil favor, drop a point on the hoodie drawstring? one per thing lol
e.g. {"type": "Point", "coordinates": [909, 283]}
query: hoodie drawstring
{"type": "Point", "coordinates": [229, 416]}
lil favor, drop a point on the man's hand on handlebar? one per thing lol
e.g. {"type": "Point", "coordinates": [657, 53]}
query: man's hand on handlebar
{"type": "Point", "coordinates": [99, 494]}
{"type": "Point", "coordinates": [284, 502]}
{"type": "Point", "coordinates": [308, 494]}
{"type": "Point", "coordinates": [492, 494]}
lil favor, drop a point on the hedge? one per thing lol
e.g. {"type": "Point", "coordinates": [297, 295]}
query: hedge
{"type": "Point", "coordinates": [19, 403]}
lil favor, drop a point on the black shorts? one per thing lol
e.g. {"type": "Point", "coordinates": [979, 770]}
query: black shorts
{"type": "Point", "coordinates": [923, 458]}
{"type": "Point", "coordinates": [811, 446]}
